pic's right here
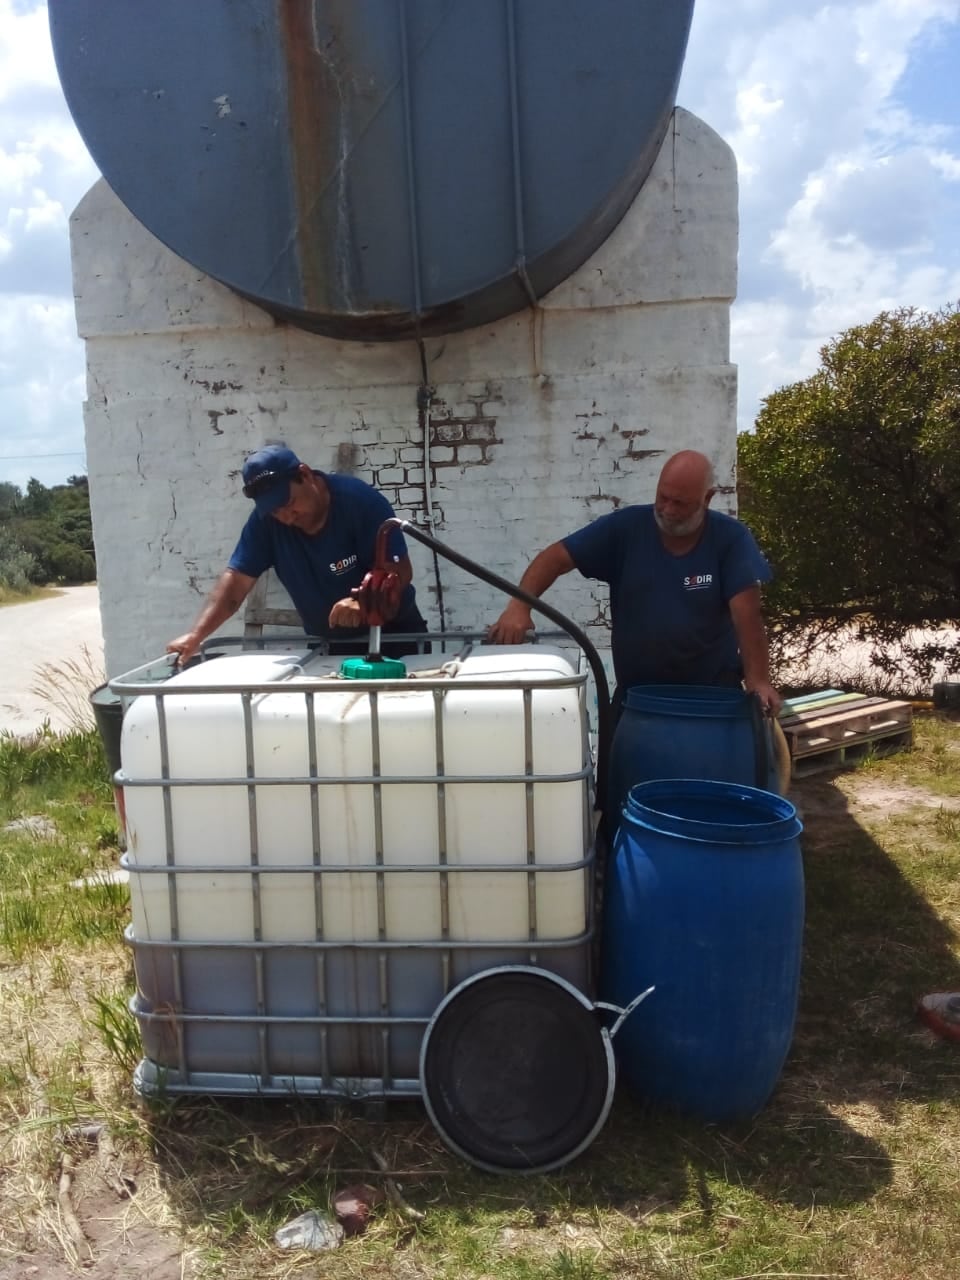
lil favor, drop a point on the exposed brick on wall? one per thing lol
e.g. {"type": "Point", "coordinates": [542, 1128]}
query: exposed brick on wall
{"type": "Point", "coordinates": [453, 443]}
{"type": "Point", "coordinates": [462, 441]}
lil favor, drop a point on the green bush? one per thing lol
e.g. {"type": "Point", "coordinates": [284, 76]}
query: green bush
{"type": "Point", "coordinates": [53, 527]}
{"type": "Point", "coordinates": [850, 483]}
{"type": "Point", "coordinates": [17, 565]}
{"type": "Point", "coordinates": [69, 564]}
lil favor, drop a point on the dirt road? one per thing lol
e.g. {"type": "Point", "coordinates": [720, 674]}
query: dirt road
{"type": "Point", "coordinates": [51, 656]}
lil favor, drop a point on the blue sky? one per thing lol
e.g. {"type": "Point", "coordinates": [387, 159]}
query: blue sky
{"type": "Point", "coordinates": [844, 118]}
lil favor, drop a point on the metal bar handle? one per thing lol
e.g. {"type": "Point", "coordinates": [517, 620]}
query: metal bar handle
{"type": "Point", "coordinates": [624, 1012]}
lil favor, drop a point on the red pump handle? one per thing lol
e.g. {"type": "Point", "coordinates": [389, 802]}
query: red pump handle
{"type": "Point", "coordinates": [379, 592]}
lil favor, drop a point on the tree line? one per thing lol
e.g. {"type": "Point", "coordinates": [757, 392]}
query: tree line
{"type": "Point", "coordinates": [45, 535]}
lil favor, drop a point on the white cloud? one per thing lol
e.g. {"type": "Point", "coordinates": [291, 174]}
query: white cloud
{"type": "Point", "coordinates": [947, 164]}
{"type": "Point", "coordinates": [26, 56]}
{"type": "Point", "coordinates": [44, 166]}
{"type": "Point", "coordinates": [17, 168]}
{"type": "Point", "coordinates": [44, 169]}
{"type": "Point", "coordinates": [42, 388]}
{"type": "Point", "coordinates": [894, 202]}
{"type": "Point", "coordinates": [848, 199]}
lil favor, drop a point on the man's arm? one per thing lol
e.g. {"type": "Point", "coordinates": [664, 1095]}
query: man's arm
{"type": "Point", "coordinates": [542, 572]}
{"type": "Point", "coordinates": [754, 649]}
{"type": "Point", "coordinates": [349, 611]}
{"type": "Point", "coordinates": [228, 594]}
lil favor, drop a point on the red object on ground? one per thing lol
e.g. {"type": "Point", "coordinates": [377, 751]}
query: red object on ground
{"type": "Point", "coordinates": [352, 1207]}
{"type": "Point", "coordinates": [941, 1012]}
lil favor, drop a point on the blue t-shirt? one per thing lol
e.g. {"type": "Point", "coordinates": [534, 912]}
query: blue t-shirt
{"type": "Point", "coordinates": [670, 617]}
{"type": "Point", "coordinates": [321, 568]}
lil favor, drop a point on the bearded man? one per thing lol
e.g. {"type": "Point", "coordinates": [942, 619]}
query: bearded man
{"type": "Point", "coordinates": [684, 588]}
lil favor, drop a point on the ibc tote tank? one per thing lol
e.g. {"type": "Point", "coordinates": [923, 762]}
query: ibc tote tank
{"type": "Point", "coordinates": [401, 836]}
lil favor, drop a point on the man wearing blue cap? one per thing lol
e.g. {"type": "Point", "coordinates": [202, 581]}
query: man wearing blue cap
{"type": "Point", "coordinates": [318, 532]}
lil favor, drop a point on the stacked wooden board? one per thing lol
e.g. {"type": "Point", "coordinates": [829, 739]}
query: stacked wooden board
{"type": "Point", "coordinates": [830, 729]}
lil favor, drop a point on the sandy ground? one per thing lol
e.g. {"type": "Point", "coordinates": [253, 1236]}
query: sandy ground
{"type": "Point", "coordinates": [849, 663]}
{"type": "Point", "coordinates": [51, 656]}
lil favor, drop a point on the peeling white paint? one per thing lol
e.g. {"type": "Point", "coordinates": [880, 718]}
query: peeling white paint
{"type": "Point", "coordinates": [549, 419]}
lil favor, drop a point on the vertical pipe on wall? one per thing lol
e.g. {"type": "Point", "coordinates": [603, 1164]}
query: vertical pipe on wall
{"type": "Point", "coordinates": [425, 390]}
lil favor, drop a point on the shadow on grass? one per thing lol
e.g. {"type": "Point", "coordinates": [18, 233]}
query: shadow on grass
{"type": "Point", "coordinates": [872, 946]}
{"type": "Point", "coordinates": [259, 1157]}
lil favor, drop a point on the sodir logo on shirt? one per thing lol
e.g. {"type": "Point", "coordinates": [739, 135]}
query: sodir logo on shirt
{"type": "Point", "coordinates": [697, 581]}
{"type": "Point", "coordinates": [343, 566]}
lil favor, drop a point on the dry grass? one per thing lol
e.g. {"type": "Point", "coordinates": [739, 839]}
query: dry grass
{"type": "Point", "coordinates": [8, 596]}
{"type": "Point", "coordinates": [66, 686]}
{"type": "Point", "coordinates": [852, 1170]}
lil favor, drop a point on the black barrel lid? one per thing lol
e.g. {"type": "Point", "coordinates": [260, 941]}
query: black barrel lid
{"type": "Point", "coordinates": [516, 1070]}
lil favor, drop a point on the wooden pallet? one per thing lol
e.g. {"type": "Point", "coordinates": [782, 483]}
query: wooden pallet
{"type": "Point", "coordinates": [830, 729]}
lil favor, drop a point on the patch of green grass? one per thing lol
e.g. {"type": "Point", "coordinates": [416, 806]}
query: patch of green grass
{"type": "Point", "coordinates": [71, 765]}
{"type": "Point", "coordinates": [57, 826]}
{"type": "Point", "coordinates": [934, 762]}
{"type": "Point", "coordinates": [25, 922]}
{"type": "Point", "coordinates": [116, 1026]}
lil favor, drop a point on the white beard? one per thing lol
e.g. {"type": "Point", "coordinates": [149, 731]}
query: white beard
{"type": "Point", "coordinates": [679, 528]}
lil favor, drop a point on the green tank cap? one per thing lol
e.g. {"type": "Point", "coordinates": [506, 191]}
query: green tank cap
{"type": "Point", "coordinates": [380, 669]}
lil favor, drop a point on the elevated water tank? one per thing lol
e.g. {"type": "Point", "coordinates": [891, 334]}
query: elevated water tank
{"type": "Point", "coordinates": [375, 168]}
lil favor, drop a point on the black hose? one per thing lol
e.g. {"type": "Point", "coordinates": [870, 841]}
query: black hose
{"type": "Point", "coordinates": [511, 589]}
{"type": "Point", "coordinates": [424, 400]}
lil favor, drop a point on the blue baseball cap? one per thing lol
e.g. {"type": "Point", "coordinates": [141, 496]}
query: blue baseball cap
{"type": "Point", "coordinates": [267, 475]}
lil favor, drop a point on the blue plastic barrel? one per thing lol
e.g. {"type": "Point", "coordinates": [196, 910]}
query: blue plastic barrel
{"type": "Point", "coordinates": [704, 901]}
{"type": "Point", "coordinates": [689, 731]}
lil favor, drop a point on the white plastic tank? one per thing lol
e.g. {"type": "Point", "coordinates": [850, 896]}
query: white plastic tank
{"type": "Point", "coordinates": [431, 728]}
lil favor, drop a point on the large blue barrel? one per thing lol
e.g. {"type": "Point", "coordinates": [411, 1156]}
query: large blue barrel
{"type": "Point", "coordinates": [705, 901]}
{"type": "Point", "coordinates": [690, 731]}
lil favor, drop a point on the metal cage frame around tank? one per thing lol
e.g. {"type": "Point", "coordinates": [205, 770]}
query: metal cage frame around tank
{"type": "Point", "coordinates": [385, 1037]}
